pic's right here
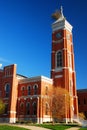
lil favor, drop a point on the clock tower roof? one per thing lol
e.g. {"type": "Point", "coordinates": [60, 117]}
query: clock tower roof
{"type": "Point", "coordinates": [61, 22]}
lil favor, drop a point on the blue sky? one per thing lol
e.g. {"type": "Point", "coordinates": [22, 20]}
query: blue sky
{"type": "Point", "coordinates": [25, 35]}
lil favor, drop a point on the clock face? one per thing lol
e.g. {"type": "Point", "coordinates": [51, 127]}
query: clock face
{"type": "Point", "coordinates": [59, 35]}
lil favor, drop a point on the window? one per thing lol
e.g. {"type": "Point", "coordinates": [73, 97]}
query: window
{"type": "Point", "coordinates": [7, 90]}
{"type": "Point", "coordinates": [34, 108]}
{"type": "Point", "coordinates": [35, 89]}
{"type": "Point", "coordinates": [22, 108]}
{"type": "Point", "coordinates": [46, 109]}
{"type": "Point", "coordinates": [78, 102]}
{"type": "Point", "coordinates": [23, 88]}
{"type": "Point", "coordinates": [46, 91]}
{"type": "Point", "coordinates": [59, 59]}
{"type": "Point", "coordinates": [7, 71]}
{"type": "Point", "coordinates": [29, 90]}
{"type": "Point", "coordinates": [71, 87]}
{"type": "Point", "coordinates": [69, 60]}
{"type": "Point", "coordinates": [84, 101]}
{"type": "Point", "coordinates": [28, 108]}
{"type": "Point", "coordinates": [6, 109]}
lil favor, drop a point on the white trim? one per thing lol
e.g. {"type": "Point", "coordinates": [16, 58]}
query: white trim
{"type": "Point", "coordinates": [58, 41]}
{"type": "Point", "coordinates": [75, 96]}
{"type": "Point", "coordinates": [58, 69]}
{"type": "Point", "coordinates": [61, 69]}
{"type": "Point", "coordinates": [45, 79]}
{"type": "Point", "coordinates": [58, 76]}
{"type": "Point", "coordinates": [28, 96]}
{"type": "Point", "coordinates": [12, 120]}
{"type": "Point", "coordinates": [35, 79]}
{"type": "Point", "coordinates": [36, 86]}
{"type": "Point", "coordinates": [62, 24]}
{"type": "Point", "coordinates": [45, 119]}
{"type": "Point", "coordinates": [41, 120]}
{"type": "Point", "coordinates": [13, 112]}
{"type": "Point", "coordinates": [67, 50]}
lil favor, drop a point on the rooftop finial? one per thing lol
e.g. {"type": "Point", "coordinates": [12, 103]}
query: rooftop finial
{"type": "Point", "coordinates": [61, 11]}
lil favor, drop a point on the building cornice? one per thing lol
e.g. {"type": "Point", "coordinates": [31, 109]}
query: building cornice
{"type": "Point", "coordinates": [61, 24]}
{"type": "Point", "coordinates": [35, 79]}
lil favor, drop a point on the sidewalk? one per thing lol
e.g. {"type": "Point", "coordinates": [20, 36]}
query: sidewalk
{"type": "Point", "coordinates": [73, 128]}
{"type": "Point", "coordinates": [40, 128]}
{"type": "Point", "coordinates": [30, 127]}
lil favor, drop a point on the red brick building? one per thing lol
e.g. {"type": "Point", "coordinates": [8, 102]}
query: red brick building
{"type": "Point", "coordinates": [82, 101]}
{"type": "Point", "coordinates": [25, 98]}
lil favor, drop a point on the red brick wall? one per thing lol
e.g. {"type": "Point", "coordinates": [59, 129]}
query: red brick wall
{"type": "Point", "coordinates": [82, 101]}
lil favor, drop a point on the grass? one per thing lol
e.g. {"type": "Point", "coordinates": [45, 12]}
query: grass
{"type": "Point", "coordinates": [49, 126]}
{"type": "Point", "coordinates": [83, 128]}
{"type": "Point", "coordinates": [55, 127]}
{"type": "Point", "coordinates": [6, 127]}
{"type": "Point", "coordinates": [60, 126]}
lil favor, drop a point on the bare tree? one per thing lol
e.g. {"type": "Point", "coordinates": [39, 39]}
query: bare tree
{"type": "Point", "coordinates": [82, 116]}
{"type": "Point", "coordinates": [60, 103]}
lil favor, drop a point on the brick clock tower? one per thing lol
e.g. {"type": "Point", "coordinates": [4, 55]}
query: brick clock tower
{"type": "Point", "coordinates": [62, 69]}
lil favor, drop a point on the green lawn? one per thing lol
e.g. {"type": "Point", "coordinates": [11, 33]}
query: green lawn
{"type": "Point", "coordinates": [83, 129]}
{"type": "Point", "coordinates": [55, 127]}
{"type": "Point", "coordinates": [6, 127]}
{"type": "Point", "coordinates": [52, 127]}
{"type": "Point", "coordinates": [60, 127]}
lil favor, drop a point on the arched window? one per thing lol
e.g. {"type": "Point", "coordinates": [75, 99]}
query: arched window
{"type": "Point", "coordinates": [35, 89]}
{"type": "Point", "coordinates": [22, 108]}
{"type": "Point", "coordinates": [59, 59]}
{"type": "Point", "coordinates": [46, 91]}
{"type": "Point", "coordinates": [29, 90]}
{"type": "Point", "coordinates": [23, 89]}
{"type": "Point", "coordinates": [7, 90]}
{"type": "Point", "coordinates": [34, 108]}
{"type": "Point", "coordinates": [46, 109]}
{"type": "Point", "coordinates": [28, 108]}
